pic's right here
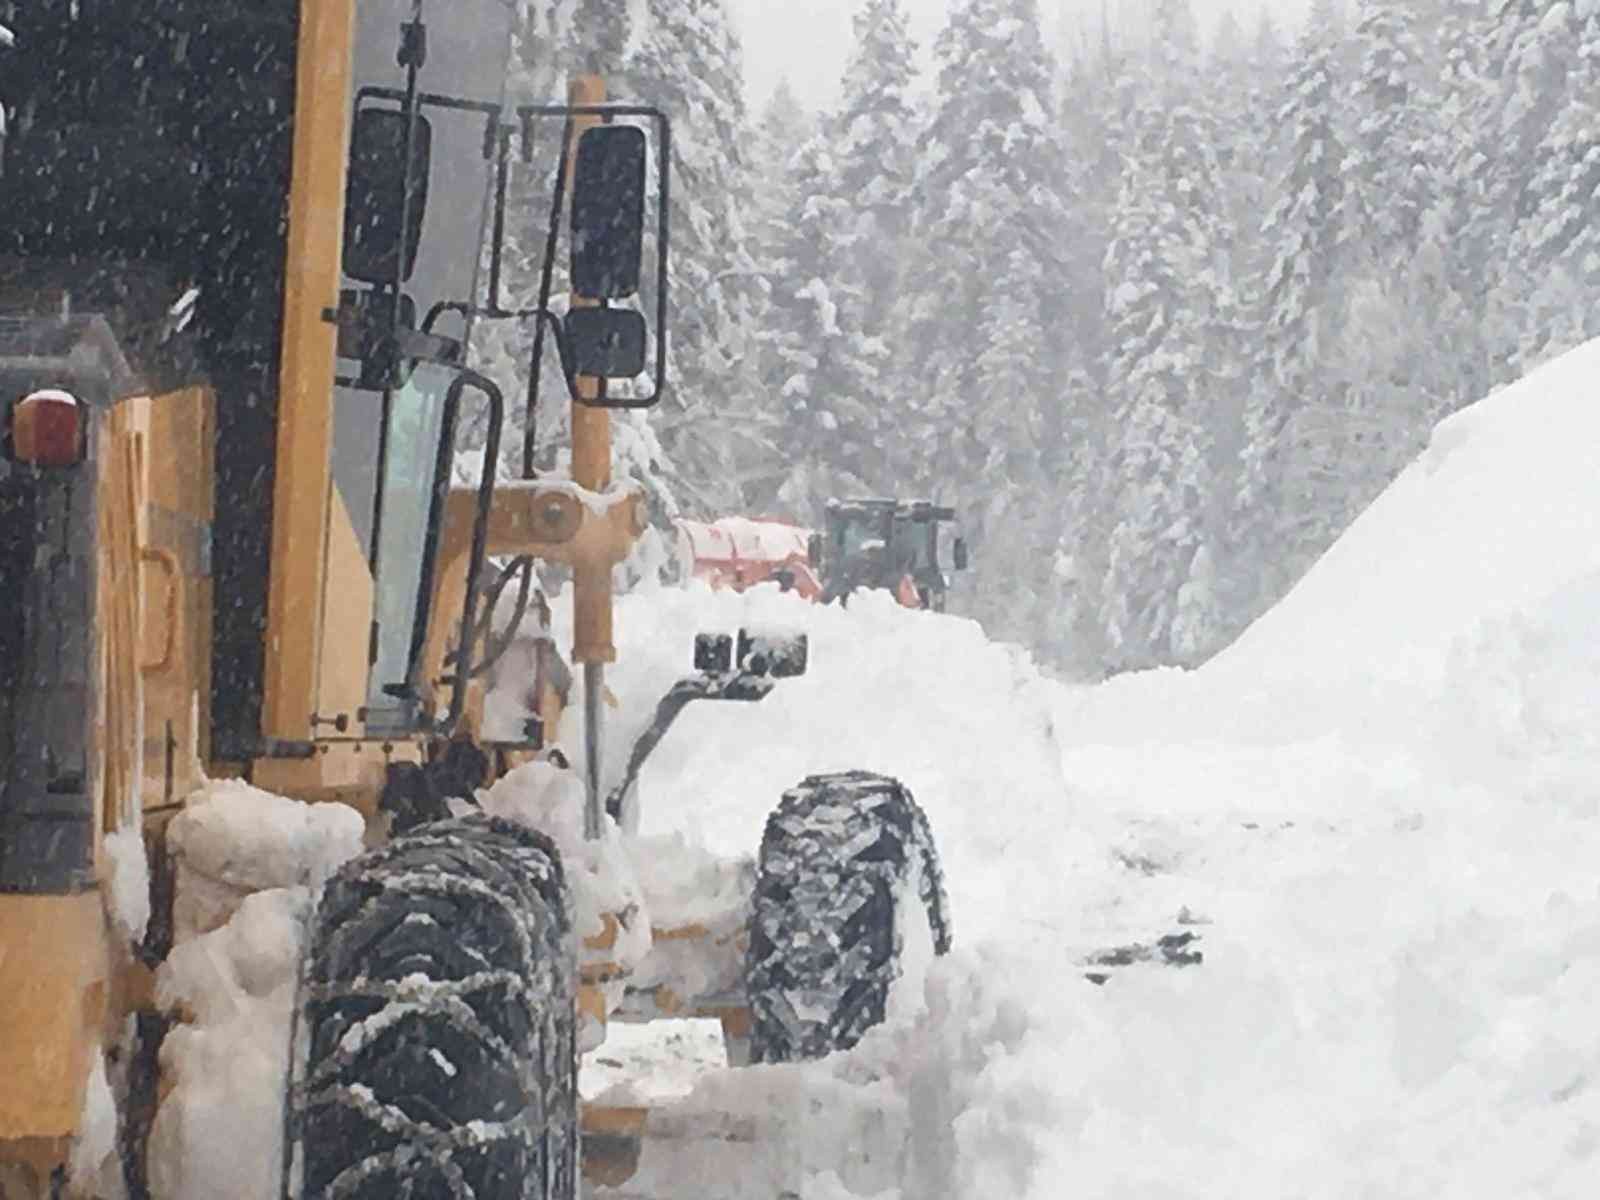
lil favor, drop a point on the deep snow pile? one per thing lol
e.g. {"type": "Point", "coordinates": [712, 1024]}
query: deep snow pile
{"type": "Point", "coordinates": [1384, 798]}
{"type": "Point", "coordinates": [966, 724]}
{"type": "Point", "coordinates": [1380, 810]}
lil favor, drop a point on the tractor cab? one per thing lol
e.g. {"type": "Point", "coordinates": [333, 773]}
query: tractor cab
{"type": "Point", "coordinates": [889, 544]}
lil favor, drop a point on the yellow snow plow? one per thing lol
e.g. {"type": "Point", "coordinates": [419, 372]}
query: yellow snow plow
{"type": "Point", "coordinates": [246, 247]}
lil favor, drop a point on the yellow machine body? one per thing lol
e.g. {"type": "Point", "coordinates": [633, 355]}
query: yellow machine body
{"type": "Point", "coordinates": [159, 659]}
{"type": "Point", "coordinates": [165, 447]}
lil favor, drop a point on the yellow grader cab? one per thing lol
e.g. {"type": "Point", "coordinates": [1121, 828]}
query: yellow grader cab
{"type": "Point", "coordinates": [245, 246]}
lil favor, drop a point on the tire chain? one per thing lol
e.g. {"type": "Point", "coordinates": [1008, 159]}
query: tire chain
{"type": "Point", "coordinates": [457, 937]}
{"type": "Point", "coordinates": [824, 949]}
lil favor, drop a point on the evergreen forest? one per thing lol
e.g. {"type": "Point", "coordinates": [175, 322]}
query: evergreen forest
{"type": "Point", "coordinates": [1159, 310]}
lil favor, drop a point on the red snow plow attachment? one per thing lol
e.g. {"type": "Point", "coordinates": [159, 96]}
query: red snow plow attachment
{"type": "Point", "coordinates": [739, 552]}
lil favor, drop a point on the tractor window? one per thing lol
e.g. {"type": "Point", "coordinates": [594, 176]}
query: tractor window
{"type": "Point", "coordinates": [409, 478]}
{"type": "Point", "coordinates": [859, 532]}
{"type": "Point", "coordinates": [911, 546]}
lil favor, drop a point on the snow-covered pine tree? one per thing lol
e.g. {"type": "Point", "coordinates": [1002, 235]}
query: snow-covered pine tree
{"type": "Point", "coordinates": [1529, 64]}
{"type": "Point", "coordinates": [1167, 290]}
{"type": "Point", "coordinates": [826, 373]}
{"type": "Point", "coordinates": [1096, 103]}
{"type": "Point", "coordinates": [990, 191]}
{"type": "Point", "coordinates": [1174, 45]}
{"type": "Point", "coordinates": [1380, 371]}
{"type": "Point", "coordinates": [1558, 242]}
{"type": "Point", "coordinates": [875, 134]}
{"type": "Point", "coordinates": [688, 62]}
{"type": "Point", "coordinates": [1230, 56]}
{"type": "Point", "coordinates": [1239, 89]}
{"type": "Point", "coordinates": [1269, 57]}
{"type": "Point", "coordinates": [781, 129]}
{"type": "Point", "coordinates": [1285, 514]}
{"type": "Point", "coordinates": [1242, 89]}
{"type": "Point", "coordinates": [1463, 229]}
{"type": "Point", "coordinates": [1388, 171]}
{"type": "Point", "coordinates": [597, 36]}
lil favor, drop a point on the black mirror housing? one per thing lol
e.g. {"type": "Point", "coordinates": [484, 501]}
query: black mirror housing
{"type": "Point", "coordinates": [608, 343]}
{"type": "Point", "coordinates": [374, 195]}
{"type": "Point", "coordinates": [713, 653]}
{"type": "Point", "coordinates": [608, 179]}
{"type": "Point", "coordinates": [367, 324]}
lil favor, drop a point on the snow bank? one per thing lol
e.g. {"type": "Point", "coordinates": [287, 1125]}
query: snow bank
{"type": "Point", "coordinates": [1378, 810]}
{"type": "Point", "coordinates": [968, 726]}
{"type": "Point", "coordinates": [1494, 521]}
{"type": "Point", "coordinates": [946, 1103]}
{"type": "Point", "coordinates": [1383, 800]}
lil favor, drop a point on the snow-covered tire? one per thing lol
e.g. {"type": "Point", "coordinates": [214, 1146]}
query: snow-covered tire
{"type": "Point", "coordinates": [438, 1017]}
{"type": "Point", "coordinates": [836, 860]}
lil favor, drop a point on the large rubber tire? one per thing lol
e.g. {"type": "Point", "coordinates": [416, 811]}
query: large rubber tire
{"type": "Point", "coordinates": [438, 1013]}
{"type": "Point", "coordinates": [837, 859]}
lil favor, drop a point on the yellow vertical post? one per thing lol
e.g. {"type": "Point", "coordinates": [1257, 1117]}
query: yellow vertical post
{"type": "Point", "coordinates": [591, 573]}
{"type": "Point", "coordinates": [591, 455]}
{"type": "Point", "coordinates": [305, 383]}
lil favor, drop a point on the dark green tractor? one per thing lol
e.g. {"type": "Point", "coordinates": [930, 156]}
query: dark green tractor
{"type": "Point", "coordinates": [888, 544]}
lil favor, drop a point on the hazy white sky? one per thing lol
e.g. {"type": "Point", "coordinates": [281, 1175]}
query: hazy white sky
{"type": "Point", "coordinates": [808, 40]}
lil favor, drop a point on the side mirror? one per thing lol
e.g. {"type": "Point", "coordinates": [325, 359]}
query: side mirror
{"type": "Point", "coordinates": [366, 334]}
{"type": "Point", "coordinates": [958, 554]}
{"type": "Point", "coordinates": [608, 343]}
{"type": "Point", "coordinates": [608, 212]}
{"type": "Point", "coordinates": [374, 192]}
{"type": "Point", "coordinates": [814, 550]}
